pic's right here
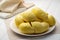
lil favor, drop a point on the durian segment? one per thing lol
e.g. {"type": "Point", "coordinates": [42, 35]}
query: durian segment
{"type": "Point", "coordinates": [26, 28]}
{"type": "Point", "coordinates": [36, 26]}
{"type": "Point", "coordinates": [40, 27]}
{"type": "Point", "coordinates": [51, 20]}
{"type": "Point", "coordinates": [45, 26]}
{"type": "Point", "coordinates": [18, 20]}
{"type": "Point", "coordinates": [40, 13]}
{"type": "Point", "coordinates": [29, 16]}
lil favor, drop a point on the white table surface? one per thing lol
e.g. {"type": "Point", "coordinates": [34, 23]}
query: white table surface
{"type": "Point", "coordinates": [50, 6]}
{"type": "Point", "coordinates": [3, 31]}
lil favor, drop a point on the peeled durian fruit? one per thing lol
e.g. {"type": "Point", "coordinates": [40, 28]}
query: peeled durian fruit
{"type": "Point", "coordinates": [51, 20]}
{"type": "Point", "coordinates": [29, 16]}
{"type": "Point", "coordinates": [18, 20]}
{"type": "Point", "coordinates": [26, 28]}
{"type": "Point", "coordinates": [45, 26]}
{"type": "Point", "coordinates": [34, 21]}
{"type": "Point", "coordinates": [40, 13]}
{"type": "Point", "coordinates": [40, 27]}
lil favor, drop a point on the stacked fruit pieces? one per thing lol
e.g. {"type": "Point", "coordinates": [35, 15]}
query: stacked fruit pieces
{"type": "Point", "coordinates": [34, 21]}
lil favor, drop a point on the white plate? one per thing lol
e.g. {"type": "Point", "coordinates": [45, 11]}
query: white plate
{"type": "Point", "coordinates": [15, 29]}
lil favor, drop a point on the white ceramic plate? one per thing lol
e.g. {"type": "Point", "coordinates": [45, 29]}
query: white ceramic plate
{"type": "Point", "coordinates": [15, 29]}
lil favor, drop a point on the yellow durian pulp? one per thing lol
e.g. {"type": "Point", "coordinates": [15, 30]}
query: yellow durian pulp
{"type": "Point", "coordinates": [40, 13]}
{"type": "Point", "coordinates": [34, 21]}
{"type": "Point", "coordinates": [26, 28]}
{"type": "Point", "coordinates": [40, 27]}
{"type": "Point", "coordinates": [51, 20]}
{"type": "Point", "coordinates": [18, 20]}
{"type": "Point", "coordinates": [45, 26]}
{"type": "Point", "coordinates": [29, 16]}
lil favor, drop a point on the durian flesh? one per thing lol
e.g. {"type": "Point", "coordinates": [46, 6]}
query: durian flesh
{"type": "Point", "coordinates": [40, 27]}
{"type": "Point", "coordinates": [36, 27]}
{"type": "Point", "coordinates": [29, 16]}
{"type": "Point", "coordinates": [51, 20]}
{"type": "Point", "coordinates": [18, 20]}
{"type": "Point", "coordinates": [34, 21]}
{"type": "Point", "coordinates": [40, 13]}
{"type": "Point", "coordinates": [26, 28]}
